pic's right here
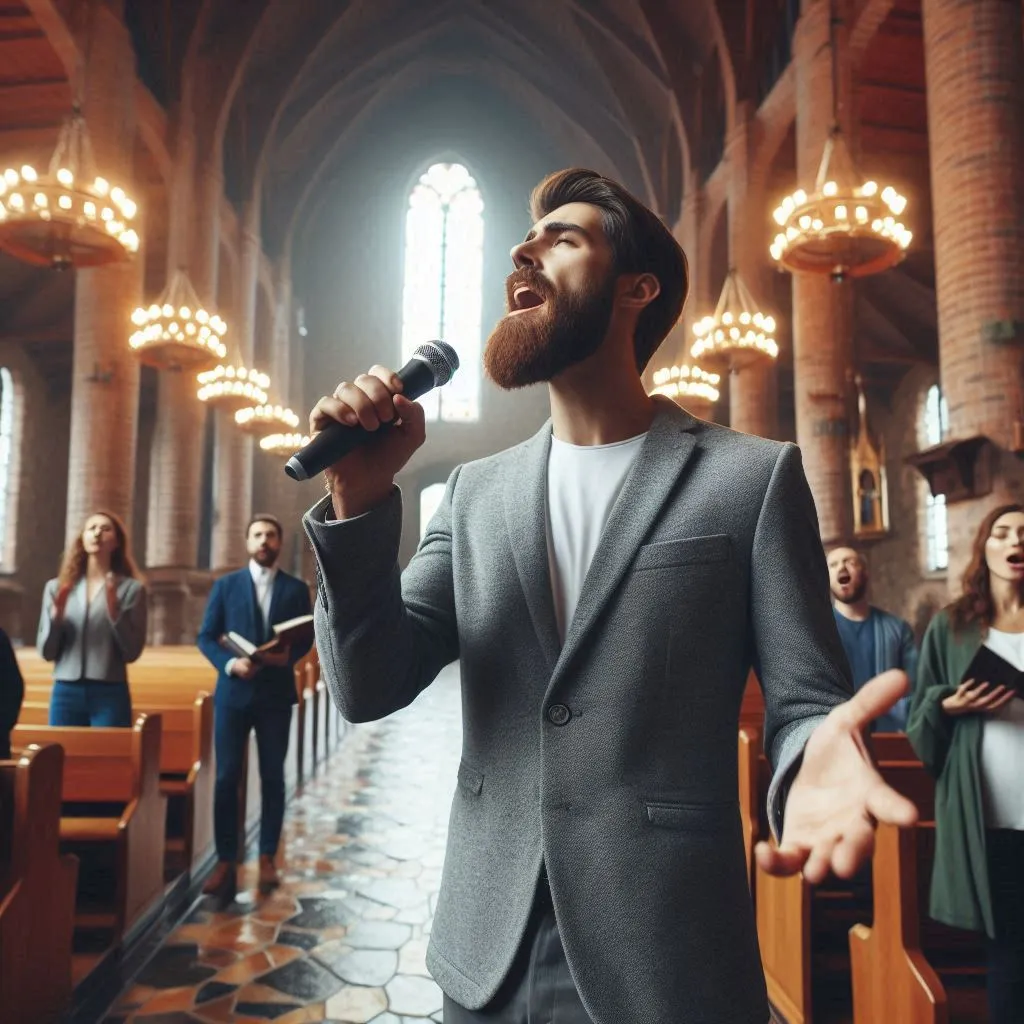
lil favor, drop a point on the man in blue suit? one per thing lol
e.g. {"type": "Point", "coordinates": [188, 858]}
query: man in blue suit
{"type": "Point", "coordinates": [252, 695]}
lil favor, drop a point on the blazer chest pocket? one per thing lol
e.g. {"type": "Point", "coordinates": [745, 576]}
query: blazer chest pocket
{"type": "Point", "coordinates": [668, 554]}
{"type": "Point", "coordinates": [470, 779]}
{"type": "Point", "coordinates": [690, 817]}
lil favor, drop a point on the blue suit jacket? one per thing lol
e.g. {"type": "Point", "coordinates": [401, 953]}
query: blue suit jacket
{"type": "Point", "coordinates": [232, 607]}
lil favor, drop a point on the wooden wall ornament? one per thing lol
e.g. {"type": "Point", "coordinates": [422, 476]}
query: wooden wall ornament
{"type": "Point", "coordinates": [869, 485]}
{"type": "Point", "coordinates": [959, 469]}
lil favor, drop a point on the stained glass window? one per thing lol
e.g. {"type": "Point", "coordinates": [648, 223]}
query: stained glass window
{"type": "Point", "coordinates": [444, 233]}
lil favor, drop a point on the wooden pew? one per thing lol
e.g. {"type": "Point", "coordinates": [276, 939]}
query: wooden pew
{"type": "Point", "coordinates": [119, 767]}
{"type": "Point", "coordinates": [37, 890]}
{"type": "Point", "coordinates": [186, 770]}
{"type": "Point", "coordinates": [754, 774]}
{"type": "Point", "coordinates": [916, 969]}
{"type": "Point", "coordinates": [803, 932]}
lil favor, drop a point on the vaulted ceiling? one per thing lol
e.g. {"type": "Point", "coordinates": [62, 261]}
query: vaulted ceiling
{"type": "Point", "coordinates": [279, 90]}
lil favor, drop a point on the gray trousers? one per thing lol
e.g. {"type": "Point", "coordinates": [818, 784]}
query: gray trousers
{"type": "Point", "coordinates": [539, 988]}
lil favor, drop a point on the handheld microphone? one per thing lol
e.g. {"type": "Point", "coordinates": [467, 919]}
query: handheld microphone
{"type": "Point", "coordinates": [431, 365]}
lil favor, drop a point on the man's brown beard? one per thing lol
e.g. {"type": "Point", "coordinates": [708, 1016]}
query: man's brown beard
{"type": "Point", "coordinates": [535, 347]}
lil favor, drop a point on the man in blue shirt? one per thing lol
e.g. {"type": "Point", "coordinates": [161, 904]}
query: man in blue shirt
{"type": "Point", "coordinates": [873, 639]}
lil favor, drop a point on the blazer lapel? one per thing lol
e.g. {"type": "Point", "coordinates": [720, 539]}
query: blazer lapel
{"type": "Point", "coordinates": [275, 601]}
{"type": "Point", "coordinates": [658, 467]}
{"type": "Point", "coordinates": [525, 500]}
{"type": "Point", "coordinates": [255, 615]}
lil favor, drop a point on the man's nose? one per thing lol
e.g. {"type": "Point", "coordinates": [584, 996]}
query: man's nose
{"type": "Point", "coordinates": [522, 256]}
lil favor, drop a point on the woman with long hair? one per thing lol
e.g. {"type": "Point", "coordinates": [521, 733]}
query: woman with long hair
{"type": "Point", "coordinates": [970, 734]}
{"type": "Point", "coordinates": [93, 624]}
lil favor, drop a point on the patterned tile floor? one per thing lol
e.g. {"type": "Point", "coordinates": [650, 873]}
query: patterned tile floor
{"type": "Point", "coordinates": [344, 938]}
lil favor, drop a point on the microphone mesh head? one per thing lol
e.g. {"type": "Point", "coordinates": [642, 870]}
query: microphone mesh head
{"type": "Point", "coordinates": [441, 359]}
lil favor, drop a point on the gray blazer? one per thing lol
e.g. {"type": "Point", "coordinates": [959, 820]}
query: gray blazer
{"type": "Point", "coordinates": [611, 759]}
{"type": "Point", "coordinates": [87, 643]}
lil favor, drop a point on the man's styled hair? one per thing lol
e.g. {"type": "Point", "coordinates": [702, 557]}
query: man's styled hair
{"type": "Point", "coordinates": [640, 244]}
{"type": "Point", "coordinates": [265, 517]}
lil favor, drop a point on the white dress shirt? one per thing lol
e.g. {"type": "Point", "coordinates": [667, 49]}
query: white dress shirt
{"type": "Point", "coordinates": [1002, 744]}
{"type": "Point", "coordinates": [263, 581]}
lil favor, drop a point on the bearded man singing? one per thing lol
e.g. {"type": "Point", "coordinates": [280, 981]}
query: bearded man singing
{"type": "Point", "coordinates": [606, 587]}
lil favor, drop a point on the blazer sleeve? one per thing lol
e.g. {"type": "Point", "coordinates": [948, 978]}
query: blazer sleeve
{"type": "Point", "coordinates": [12, 686]}
{"type": "Point", "coordinates": [382, 635]}
{"type": "Point", "coordinates": [797, 653]}
{"type": "Point", "coordinates": [929, 728]}
{"type": "Point", "coordinates": [300, 606]}
{"type": "Point", "coordinates": [213, 628]}
{"type": "Point", "coordinates": [51, 636]}
{"type": "Point", "coordinates": [129, 627]}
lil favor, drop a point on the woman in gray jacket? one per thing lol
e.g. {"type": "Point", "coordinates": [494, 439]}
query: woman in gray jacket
{"type": "Point", "coordinates": [93, 624]}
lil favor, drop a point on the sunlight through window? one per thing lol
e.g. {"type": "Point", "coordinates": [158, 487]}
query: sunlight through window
{"type": "Point", "coordinates": [936, 532]}
{"type": "Point", "coordinates": [444, 233]}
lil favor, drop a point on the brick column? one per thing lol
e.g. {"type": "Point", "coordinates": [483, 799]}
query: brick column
{"type": "Point", "coordinates": [232, 462]}
{"type": "Point", "coordinates": [105, 375]}
{"type": "Point", "coordinates": [752, 388]}
{"type": "Point", "coordinates": [822, 309]}
{"type": "Point", "coordinates": [974, 59]}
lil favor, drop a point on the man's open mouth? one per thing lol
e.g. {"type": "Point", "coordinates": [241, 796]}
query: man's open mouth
{"type": "Point", "coordinates": [524, 298]}
{"type": "Point", "coordinates": [843, 578]}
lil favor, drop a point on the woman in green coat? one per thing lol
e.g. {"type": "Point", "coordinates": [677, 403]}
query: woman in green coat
{"type": "Point", "coordinates": [970, 735]}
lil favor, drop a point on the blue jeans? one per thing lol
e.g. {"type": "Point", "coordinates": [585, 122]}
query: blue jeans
{"type": "Point", "coordinates": [1005, 855]}
{"type": "Point", "coordinates": [87, 702]}
{"type": "Point", "coordinates": [231, 726]}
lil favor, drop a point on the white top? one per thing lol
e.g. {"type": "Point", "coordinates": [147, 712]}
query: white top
{"type": "Point", "coordinates": [263, 579]}
{"type": "Point", "coordinates": [1002, 745]}
{"type": "Point", "coordinates": [583, 483]}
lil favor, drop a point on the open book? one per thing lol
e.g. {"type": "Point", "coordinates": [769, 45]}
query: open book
{"type": "Point", "coordinates": [292, 631]}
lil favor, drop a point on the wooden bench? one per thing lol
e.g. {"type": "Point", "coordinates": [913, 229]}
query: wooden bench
{"type": "Point", "coordinates": [112, 768]}
{"type": "Point", "coordinates": [37, 890]}
{"type": "Point", "coordinates": [755, 774]}
{"type": "Point", "coordinates": [905, 966]}
{"type": "Point", "coordinates": [186, 770]}
{"type": "Point", "coordinates": [803, 931]}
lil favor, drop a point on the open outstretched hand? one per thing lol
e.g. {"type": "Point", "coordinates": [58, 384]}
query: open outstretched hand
{"type": "Point", "coordinates": [838, 796]}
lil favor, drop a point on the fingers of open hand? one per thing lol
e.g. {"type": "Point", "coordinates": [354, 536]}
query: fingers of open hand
{"type": "Point", "coordinates": [853, 848]}
{"type": "Point", "coordinates": [779, 860]}
{"type": "Point", "coordinates": [885, 804]}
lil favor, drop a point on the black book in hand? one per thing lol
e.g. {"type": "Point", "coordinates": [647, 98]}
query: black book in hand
{"type": "Point", "coordinates": [292, 631]}
{"type": "Point", "coordinates": [988, 667]}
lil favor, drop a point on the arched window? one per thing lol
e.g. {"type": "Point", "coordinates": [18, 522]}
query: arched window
{"type": "Point", "coordinates": [444, 233]}
{"type": "Point", "coordinates": [7, 401]}
{"type": "Point", "coordinates": [934, 428]}
{"type": "Point", "coordinates": [430, 498]}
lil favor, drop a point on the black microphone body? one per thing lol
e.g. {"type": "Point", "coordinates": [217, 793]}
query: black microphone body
{"type": "Point", "coordinates": [432, 365]}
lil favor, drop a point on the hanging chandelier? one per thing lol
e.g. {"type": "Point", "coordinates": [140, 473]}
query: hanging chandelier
{"type": "Point", "coordinates": [686, 382]}
{"type": "Point", "coordinates": [176, 332]}
{"type": "Point", "coordinates": [68, 216]}
{"type": "Point", "coordinates": [231, 388]}
{"type": "Point", "coordinates": [283, 444]}
{"type": "Point", "coordinates": [847, 226]}
{"type": "Point", "coordinates": [263, 420]}
{"type": "Point", "coordinates": [737, 330]}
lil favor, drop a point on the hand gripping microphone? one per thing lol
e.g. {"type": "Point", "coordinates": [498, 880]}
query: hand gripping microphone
{"type": "Point", "coordinates": [431, 365]}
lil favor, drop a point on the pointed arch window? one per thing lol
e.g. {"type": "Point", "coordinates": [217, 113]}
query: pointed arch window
{"type": "Point", "coordinates": [934, 428]}
{"type": "Point", "coordinates": [444, 233]}
{"type": "Point", "coordinates": [8, 453]}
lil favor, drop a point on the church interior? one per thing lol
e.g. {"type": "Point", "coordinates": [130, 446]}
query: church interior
{"type": "Point", "coordinates": [213, 211]}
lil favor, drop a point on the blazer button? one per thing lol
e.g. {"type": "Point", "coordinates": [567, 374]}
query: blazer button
{"type": "Point", "coordinates": [559, 714]}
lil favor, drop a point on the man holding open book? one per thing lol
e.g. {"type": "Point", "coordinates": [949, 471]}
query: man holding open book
{"type": "Point", "coordinates": [257, 625]}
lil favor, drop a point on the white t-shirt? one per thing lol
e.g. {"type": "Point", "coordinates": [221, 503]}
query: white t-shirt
{"type": "Point", "coordinates": [583, 483]}
{"type": "Point", "coordinates": [1002, 745]}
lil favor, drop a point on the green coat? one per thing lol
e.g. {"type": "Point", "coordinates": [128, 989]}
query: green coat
{"type": "Point", "coordinates": [951, 751]}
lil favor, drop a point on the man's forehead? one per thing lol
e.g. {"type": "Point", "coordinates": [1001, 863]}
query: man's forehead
{"type": "Point", "coordinates": [842, 553]}
{"type": "Point", "coordinates": [585, 215]}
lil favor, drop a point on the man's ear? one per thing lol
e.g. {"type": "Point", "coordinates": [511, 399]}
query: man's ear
{"type": "Point", "coordinates": [638, 290]}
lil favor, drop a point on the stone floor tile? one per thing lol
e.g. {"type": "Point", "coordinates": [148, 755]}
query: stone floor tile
{"type": "Point", "coordinates": [305, 979]}
{"type": "Point", "coordinates": [378, 935]}
{"type": "Point", "coordinates": [412, 995]}
{"type": "Point", "coordinates": [174, 967]}
{"type": "Point", "coordinates": [357, 1005]}
{"type": "Point", "coordinates": [371, 967]}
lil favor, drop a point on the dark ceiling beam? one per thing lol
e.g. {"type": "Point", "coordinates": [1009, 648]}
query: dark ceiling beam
{"type": "Point", "coordinates": [619, 33]}
{"type": "Point", "coordinates": [51, 19]}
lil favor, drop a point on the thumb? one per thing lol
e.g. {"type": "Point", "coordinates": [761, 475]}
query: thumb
{"type": "Point", "coordinates": [876, 697]}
